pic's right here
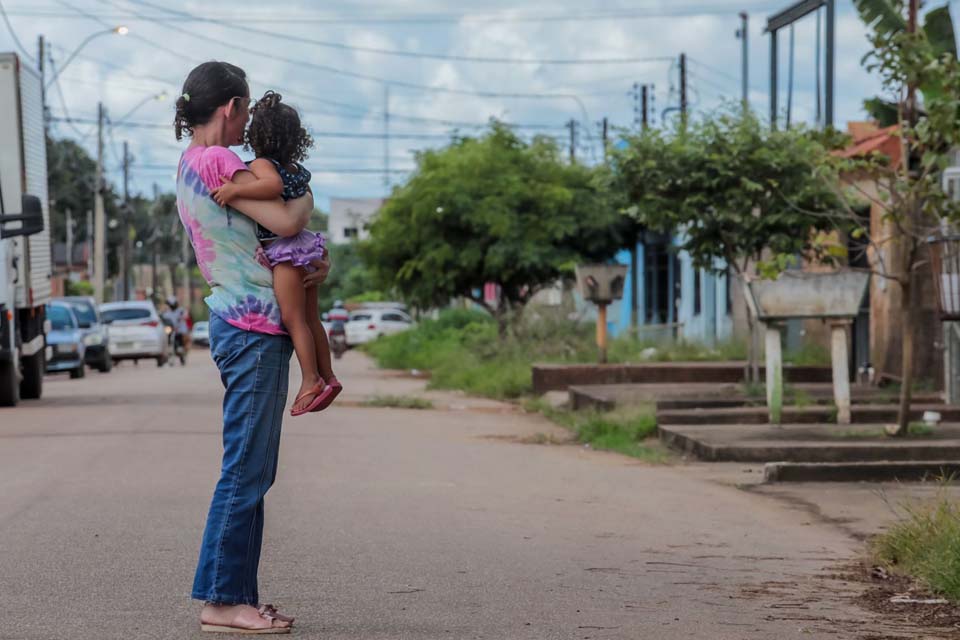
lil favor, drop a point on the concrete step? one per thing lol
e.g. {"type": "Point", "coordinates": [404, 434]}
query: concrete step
{"type": "Point", "coordinates": [560, 377]}
{"type": "Point", "coordinates": [865, 397]}
{"type": "Point", "coordinates": [879, 413]}
{"type": "Point", "coordinates": [883, 471]}
{"type": "Point", "coordinates": [809, 443]}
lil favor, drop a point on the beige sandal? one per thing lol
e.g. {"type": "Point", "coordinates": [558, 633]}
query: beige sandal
{"type": "Point", "coordinates": [267, 611]}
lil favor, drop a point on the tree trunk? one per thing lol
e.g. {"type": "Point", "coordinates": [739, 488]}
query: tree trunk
{"type": "Point", "coordinates": [752, 370]}
{"type": "Point", "coordinates": [906, 371]}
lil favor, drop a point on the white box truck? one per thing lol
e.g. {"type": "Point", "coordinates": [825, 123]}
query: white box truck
{"type": "Point", "coordinates": [25, 264]}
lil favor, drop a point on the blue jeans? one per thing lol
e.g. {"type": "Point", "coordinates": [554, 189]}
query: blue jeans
{"type": "Point", "coordinates": [254, 368]}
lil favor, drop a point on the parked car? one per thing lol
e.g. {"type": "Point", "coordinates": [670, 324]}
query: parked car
{"type": "Point", "coordinates": [96, 337]}
{"type": "Point", "coordinates": [369, 324]}
{"type": "Point", "coordinates": [136, 332]}
{"type": "Point", "coordinates": [65, 341]}
{"type": "Point", "coordinates": [201, 333]}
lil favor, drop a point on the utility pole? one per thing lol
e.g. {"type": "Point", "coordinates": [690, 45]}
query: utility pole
{"type": "Point", "coordinates": [743, 35]}
{"type": "Point", "coordinates": [69, 243]}
{"type": "Point", "coordinates": [831, 41]}
{"type": "Point", "coordinates": [572, 125]}
{"type": "Point", "coordinates": [126, 221]}
{"type": "Point", "coordinates": [156, 243]}
{"type": "Point", "coordinates": [606, 126]}
{"type": "Point", "coordinates": [99, 217]}
{"type": "Point", "coordinates": [645, 107]}
{"type": "Point", "coordinates": [683, 86]}
{"type": "Point", "coordinates": [88, 218]}
{"type": "Point", "coordinates": [41, 66]}
{"type": "Point", "coordinates": [386, 135]}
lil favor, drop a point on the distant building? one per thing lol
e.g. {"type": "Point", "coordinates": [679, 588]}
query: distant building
{"type": "Point", "coordinates": [674, 298]}
{"type": "Point", "coordinates": [350, 217]}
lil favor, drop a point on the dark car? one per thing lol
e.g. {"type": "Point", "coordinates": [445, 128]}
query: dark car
{"type": "Point", "coordinates": [96, 337]}
{"type": "Point", "coordinates": [65, 341]}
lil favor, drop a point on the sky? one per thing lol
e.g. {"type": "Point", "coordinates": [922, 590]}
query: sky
{"type": "Point", "coordinates": [462, 64]}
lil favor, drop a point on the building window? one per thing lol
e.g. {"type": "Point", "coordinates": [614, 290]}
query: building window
{"type": "Point", "coordinates": [350, 232]}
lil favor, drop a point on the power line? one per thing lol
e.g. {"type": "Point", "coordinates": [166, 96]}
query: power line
{"type": "Point", "coordinates": [380, 17]}
{"type": "Point", "coordinates": [288, 37]}
{"type": "Point", "coordinates": [173, 167]}
{"type": "Point", "coordinates": [207, 38]}
{"type": "Point", "coordinates": [712, 69]}
{"type": "Point", "coordinates": [315, 134]}
{"type": "Point", "coordinates": [13, 36]}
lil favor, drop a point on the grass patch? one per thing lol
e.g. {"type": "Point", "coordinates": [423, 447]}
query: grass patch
{"type": "Point", "coordinates": [926, 545]}
{"type": "Point", "coordinates": [630, 430]}
{"type": "Point", "coordinates": [808, 355]}
{"type": "Point", "coordinates": [398, 402]}
{"type": "Point", "coordinates": [626, 349]}
{"type": "Point", "coordinates": [462, 350]}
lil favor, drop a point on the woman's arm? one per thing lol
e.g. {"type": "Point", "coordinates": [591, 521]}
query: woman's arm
{"type": "Point", "coordinates": [283, 218]}
{"type": "Point", "coordinates": [267, 185]}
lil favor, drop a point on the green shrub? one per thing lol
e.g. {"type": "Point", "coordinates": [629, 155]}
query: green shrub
{"type": "Point", "coordinates": [78, 288]}
{"type": "Point", "coordinates": [462, 350]}
{"type": "Point", "coordinates": [926, 545]}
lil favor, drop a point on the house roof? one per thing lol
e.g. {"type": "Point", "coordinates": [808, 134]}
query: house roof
{"type": "Point", "coordinates": [869, 138]}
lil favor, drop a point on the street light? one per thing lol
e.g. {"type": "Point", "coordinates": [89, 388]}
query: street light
{"type": "Point", "coordinates": [159, 97]}
{"type": "Point", "coordinates": [119, 30]}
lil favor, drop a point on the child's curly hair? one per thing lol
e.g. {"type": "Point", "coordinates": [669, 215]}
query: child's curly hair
{"type": "Point", "coordinates": [275, 131]}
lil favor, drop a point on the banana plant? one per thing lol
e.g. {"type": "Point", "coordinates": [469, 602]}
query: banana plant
{"type": "Point", "coordinates": [886, 18]}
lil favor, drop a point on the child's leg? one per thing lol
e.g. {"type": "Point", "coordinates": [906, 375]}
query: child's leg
{"type": "Point", "coordinates": [291, 296]}
{"type": "Point", "coordinates": [324, 363]}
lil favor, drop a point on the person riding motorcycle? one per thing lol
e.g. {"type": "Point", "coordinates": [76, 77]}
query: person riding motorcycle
{"type": "Point", "coordinates": [176, 317]}
{"type": "Point", "coordinates": [337, 317]}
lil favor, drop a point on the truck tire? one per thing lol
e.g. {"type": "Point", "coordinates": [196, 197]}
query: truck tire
{"type": "Point", "coordinates": [9, 385]}
{"type": "Point", "coordinates": [31, 387]}
{"type": "Point", "coordinates": [106, 365]}
{"type": "Point", "coordinates": [79, 372]}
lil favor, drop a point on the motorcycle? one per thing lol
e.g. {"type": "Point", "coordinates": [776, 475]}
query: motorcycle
{"type": "Point", "coordinates": [176, 341]}
{"type": "Point", "coordinates": [338, 339]}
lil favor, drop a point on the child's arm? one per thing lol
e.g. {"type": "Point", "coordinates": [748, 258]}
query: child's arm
{"type": "Point", "coordinates": [283, 218]}
{"type": "Point", "coordinates": [267, 185]}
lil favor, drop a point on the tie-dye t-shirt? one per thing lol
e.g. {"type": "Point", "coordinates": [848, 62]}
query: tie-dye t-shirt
{"type": "Point", "coordinates": [225, 243]}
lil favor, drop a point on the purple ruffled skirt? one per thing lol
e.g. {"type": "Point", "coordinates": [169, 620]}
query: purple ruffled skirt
{"type": "Point", "coordinates": [299, 250]}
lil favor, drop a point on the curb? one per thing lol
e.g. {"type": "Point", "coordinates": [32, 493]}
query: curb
{"type": "Point", "coordinates": [883, 471]}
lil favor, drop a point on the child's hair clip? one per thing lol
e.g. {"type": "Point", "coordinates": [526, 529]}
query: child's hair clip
{"type": "Point", "coordinates": [186, 97]}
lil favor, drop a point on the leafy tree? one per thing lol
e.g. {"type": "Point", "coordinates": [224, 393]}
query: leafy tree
{"type": "Point", "coordinates": [350, 278]}
{"type": "Point", "coordinates": [921, 77]}
{"type": "Point", "coordinates": [493, 209]}
{"type": "Point", "coordinates": [735, 191]}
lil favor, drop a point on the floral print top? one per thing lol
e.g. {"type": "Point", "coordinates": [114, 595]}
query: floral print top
{"type": "Point", "coordinates": [225, 242]}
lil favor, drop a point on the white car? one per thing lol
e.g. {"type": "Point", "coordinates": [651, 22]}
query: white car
{"type": "Point", "coordinates": [136, 332]}
{"type": "Point", "coordinates": [369, 324]}
{"type": "Point", "coordinates": [201, 333]}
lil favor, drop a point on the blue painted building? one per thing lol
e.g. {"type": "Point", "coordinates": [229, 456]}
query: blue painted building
{"type": "Point", "coordinates": [674, 299]}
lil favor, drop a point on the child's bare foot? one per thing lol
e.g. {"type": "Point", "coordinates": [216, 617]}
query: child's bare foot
{"type": "Point", "coordinates": [310, 388]}
{"type": "Point", "coordinates": [215, 617]}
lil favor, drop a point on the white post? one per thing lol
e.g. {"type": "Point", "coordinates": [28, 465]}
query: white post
{"type": "Point", "coordinates": [774, 367]}
{"type": "Point", "coordinates": [841, 371]}
{"type": "Point", "coordinates": [951, 375]}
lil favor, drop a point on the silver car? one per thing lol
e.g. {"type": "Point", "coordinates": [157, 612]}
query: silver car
{"type": "Point", "coordinates": [136, 332]}
{"type": "Point", "coordinates": [96, 337]}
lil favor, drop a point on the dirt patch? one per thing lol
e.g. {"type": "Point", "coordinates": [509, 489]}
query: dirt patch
{"type": "Point", "coordinates": [882, 586]}
{"type": "Point", "coordinates": [536, 438]}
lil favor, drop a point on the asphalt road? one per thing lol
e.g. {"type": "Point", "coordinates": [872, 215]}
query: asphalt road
{"type": "Point", "coordinates": [392, 524]}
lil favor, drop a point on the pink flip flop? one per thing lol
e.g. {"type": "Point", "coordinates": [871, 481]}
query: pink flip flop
{"type": "Point", "coordinates": [329, 394]}
{"type": "Point", "coordinates": [316, 390]}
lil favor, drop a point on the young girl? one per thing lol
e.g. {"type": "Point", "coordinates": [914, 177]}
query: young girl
{"type": "Point", "coordinates": [280, 143]}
